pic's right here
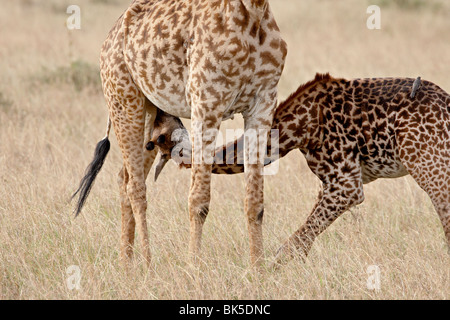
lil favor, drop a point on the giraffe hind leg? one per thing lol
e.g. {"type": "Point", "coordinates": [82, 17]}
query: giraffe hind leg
{"type": "Point", "coordinates": [439, 192]}
{"type": "Point", "coordinates": [443, 211]}
{"type": "Point", "coordinates": [128, 219]}
{"type": "Point", "coordinates": [429, 166]}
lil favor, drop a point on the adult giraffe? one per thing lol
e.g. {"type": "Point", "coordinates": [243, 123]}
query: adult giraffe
{"type": "Point", "coordinates": [198, 59]}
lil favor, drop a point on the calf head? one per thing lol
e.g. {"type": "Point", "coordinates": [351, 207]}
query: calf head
{"type": "Point", "coordinates": [172, 140]}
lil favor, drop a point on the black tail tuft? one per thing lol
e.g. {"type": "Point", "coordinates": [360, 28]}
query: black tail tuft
{"type": "Point", "coordinates": [101, 150]}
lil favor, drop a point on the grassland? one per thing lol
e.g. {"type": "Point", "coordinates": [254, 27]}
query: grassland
{"type": "Point", "coordinates": [52, 112]}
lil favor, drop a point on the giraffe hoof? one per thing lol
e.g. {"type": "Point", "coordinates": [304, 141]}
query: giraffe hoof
{"type": "Point", "coordinates": [280, 259]}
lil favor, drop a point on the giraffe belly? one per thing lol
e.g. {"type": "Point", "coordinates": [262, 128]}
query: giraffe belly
{"type": "Point", "coordinates": [373, 169]}
{"type": "Point", "coordinates": [179, 106]}
{"type": "Point", "coordinates": [175, 105]}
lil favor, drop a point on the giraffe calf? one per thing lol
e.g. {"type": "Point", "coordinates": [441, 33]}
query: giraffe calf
{"type": "Point", "coordinates": [353, 132]}
{"type": "Point", "coordinates": [172, 140]}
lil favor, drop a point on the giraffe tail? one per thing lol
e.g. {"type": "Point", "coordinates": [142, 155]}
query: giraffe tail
{"type": "Point", "coordinates": [101, 151]}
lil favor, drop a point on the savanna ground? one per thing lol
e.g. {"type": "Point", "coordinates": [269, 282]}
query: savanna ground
{"type": "Point", "coordinates": [52, 113]}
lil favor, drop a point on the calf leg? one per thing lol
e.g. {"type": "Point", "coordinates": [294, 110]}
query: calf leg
{"type": "Point", "coordinates": [443, 210]}
{"type": "Point", "coordinates": [428, 163]}
{"type": "Point", "coordinates": [335, 198]}
{"type": "Point", "coordinates": [435, 182]}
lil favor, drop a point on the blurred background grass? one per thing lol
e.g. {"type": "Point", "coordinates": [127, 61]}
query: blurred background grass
{"type": "Point", "coordinates": [52, 113]}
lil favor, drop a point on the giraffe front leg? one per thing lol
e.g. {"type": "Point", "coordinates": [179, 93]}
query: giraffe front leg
{"type": "Point", "coordinates": [254, 210]}
{"type": "Point", "coordinates": [336, 198]}
{"type": "Point", "coordinates": [203, 138]}
{"type": "Point", "coordinates": [255, 144]}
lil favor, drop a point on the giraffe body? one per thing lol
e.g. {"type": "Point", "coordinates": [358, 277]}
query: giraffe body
{"type": "Point", "coordinates": [216, 56]}
{"type": "Point", "coordinates": [199, 59]}
{"type": "Point", "coordinates": [367, 129]}
{"type": "Point", "coordinates": [353, 132]}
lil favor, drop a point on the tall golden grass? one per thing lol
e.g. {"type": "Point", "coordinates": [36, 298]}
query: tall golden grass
{"type": "Point", "coordinates": [52, 113]}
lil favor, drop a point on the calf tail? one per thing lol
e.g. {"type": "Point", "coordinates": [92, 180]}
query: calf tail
{"type": "Point", "coordinates": [101, 151]}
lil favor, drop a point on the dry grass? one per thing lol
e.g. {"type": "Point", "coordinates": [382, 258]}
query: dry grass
{"type": "Point", "coordinates": [52, 113]}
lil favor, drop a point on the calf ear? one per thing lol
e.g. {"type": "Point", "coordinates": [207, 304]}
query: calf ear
{"type": "Point", "coordinates": [162, 162]}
